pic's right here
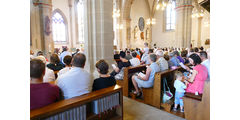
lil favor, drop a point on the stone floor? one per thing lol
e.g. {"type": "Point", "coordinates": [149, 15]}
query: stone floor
{"type": "Point", "coordinates": [134, 110]}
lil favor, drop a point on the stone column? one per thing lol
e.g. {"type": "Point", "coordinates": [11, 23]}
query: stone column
{"type": "Point", "coordinates": [183, 23]}
{"type": "Point", "coordinates": [98, 32]}
{"type": "Point", "coordinates": [45, 16]}
{"type": "Point", "coordinates": [126, 33]}
{"type": "Point", "coordinates": [70, 4]}
{"type": "Point", "coordinates": [199, 31]}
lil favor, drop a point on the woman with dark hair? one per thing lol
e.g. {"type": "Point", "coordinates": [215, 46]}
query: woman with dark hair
{"type": "Point", "coordinates": [105, 80]}
{"type": "Point", "coordinates": [118, 70]}
{"type": "Point", "coordinates": [199, 75]}
{"type": "Point", "coordinates": [55, 64]}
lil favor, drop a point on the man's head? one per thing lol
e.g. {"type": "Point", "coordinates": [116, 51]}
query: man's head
{"type": "Point", "coordinates": [146, 44]}
{"type": "Point", "coordinates": [153, 57]}
{"type": "Point", "coordinates": [128, 52]}
{"type": "Point", "coordinates": [159, 53]}
{"type": "Point", "coordinates": [203, 55]}
{"type": "Point", "coordinates": [196, 49]}
{"type": "Point", "coordinates": [176, 53]}
{"type": "Point", "coordinates": [150, 51]}
{"type": "Point", "coordinates": [102, 66]}
{"type": "Point", "coordinates": [67, 60]}
{"type": "Point", "coordinates": [122, 55]}
{"type": "Point", "coordinates": [42, 58]}
{"type": "Point", "coordinates": [37, 69]}
{"type": "Point", "coordinates": [134, 54]}
{"type": "Point", "coordinates": [64, 48]}
{"type": "Point", "coordinates": [79, 60]}
{"type": "Point", "coordinates": [39, 53]}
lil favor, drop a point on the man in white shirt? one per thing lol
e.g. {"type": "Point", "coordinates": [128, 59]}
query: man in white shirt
{"type": "Point", "coordinates": [64, 53]}
{"type": "Point", "coordinates": [162, 63]}
{"type": "Point", "coordinates": [77, 81]}
{"type": "Point", "coordinates": [205, 61]}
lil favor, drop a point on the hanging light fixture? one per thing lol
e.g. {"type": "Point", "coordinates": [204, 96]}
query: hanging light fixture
{"type": "Point", "coordinates": [198, 11]}
{"type": "Point", "coordinates": [151, 21]}
{"type": "Point", "coordinates": [163, 4]}
{"type": "Point", "coordinates": [116, 13]}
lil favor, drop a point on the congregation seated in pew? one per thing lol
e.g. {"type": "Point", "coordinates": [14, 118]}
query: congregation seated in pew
{"type": "Point", "coordinates": [41, 94]}
{"type": "Point", "coordinates": [77, 81]}
{"type": "Point", "coordinates": [105, 80]}
{"type": "Point", "coordinates": [148, 80]}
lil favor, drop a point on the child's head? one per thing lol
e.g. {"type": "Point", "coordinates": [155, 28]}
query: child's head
{"type": "Point", "coordinates": [179, 75]}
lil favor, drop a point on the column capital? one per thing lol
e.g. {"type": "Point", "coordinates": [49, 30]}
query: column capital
{"type": "Point", "coordinates": [183, 3]}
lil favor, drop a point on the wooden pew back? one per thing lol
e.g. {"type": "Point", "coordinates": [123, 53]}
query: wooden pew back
{"type": "Point", "coordinates": [78, 103]}
{"type": "Point", "coordinates": [198, 107]}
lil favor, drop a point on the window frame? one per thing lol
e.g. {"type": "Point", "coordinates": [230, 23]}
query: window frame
{"type": "Point", "coordinates": [76, 23]}
{"type": "Point", "coordinates": [66, 27]}
{"type": "Point", "coordinates": [165, 20]}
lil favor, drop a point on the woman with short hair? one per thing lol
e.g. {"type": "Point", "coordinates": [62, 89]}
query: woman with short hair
{"type": "Point", "coordinates": [148, 80]}
{"type": "Point", "coordinates": [105, 80]}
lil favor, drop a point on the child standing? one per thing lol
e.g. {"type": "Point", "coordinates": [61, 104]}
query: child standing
{"type": "Point", "coordinates": [179, 93]}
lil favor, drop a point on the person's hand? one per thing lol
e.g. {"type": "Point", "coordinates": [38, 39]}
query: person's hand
{"type": "Point", "coordinates": [187, 68]}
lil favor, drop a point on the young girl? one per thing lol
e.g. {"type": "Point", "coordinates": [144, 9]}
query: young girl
{"type": "Point", "coordinates": [179, 93]}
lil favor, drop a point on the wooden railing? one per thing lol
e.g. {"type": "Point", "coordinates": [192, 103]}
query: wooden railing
{"type": "Point", "coordinates": [68, 108]}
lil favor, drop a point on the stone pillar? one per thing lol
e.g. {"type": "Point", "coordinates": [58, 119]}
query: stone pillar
{"type": "Point", "coordinates": [45, 16]}
{"type": "Point", "coordinates": [183, 23]}
{"type": "Point", "coordinates": [98, 32]}
{"type": "Point", "coordinates": [71, 16]}
{"type": "Point", "coordinates": [199, 31]}
{"type": "Point", "coordinates": [126, 33]}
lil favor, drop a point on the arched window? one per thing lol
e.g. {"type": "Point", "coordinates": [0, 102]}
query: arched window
{"type": "Point", "coordinates": [80, 11]}
{"type": "Point", "coordinates": [171, 16]}
{"type": "Point", "coordinates": [59, 27]}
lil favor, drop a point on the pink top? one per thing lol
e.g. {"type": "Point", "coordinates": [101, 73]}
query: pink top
{"type": "Point", "coordinates": [198, 83]}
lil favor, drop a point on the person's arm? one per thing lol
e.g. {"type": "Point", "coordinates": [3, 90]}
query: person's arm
{"type": "Point", "coordinates": [194, 73]}
{"type": "Point", "coordinates": [117, 70]}
{"type": "Point", "coordinates": [146, 77]}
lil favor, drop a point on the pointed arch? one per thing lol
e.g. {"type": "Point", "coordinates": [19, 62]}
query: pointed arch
{"type": "Point", "coordinates": [59, 27]}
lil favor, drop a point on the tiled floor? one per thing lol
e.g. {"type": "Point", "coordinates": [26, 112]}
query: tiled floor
{"type": "Point", "coordinates": [134, 110]}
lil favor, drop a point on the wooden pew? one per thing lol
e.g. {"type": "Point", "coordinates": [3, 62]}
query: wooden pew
{"type": "Point", "coordinates": [127, 74]}
{"type": "Point", "coordinates": [153, 96]}
{"type": "Point", "coordinates": [198, 107]}
{"type": "Point", "coordinates": [68, 106]}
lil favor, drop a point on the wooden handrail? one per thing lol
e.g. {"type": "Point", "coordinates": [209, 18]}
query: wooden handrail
{"type": "Point", "coordinates": [73, 102]}
{"type": "Point", "coordinates": [193, 96]}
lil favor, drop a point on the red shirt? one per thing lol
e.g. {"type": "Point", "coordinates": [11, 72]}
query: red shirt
{"type": "Point", "coordinates": [43, 94]}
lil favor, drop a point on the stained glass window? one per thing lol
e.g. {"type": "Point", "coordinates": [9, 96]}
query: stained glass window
{"type": "Point", "coordinates": [171, 16]}
{"type": "Point", "coordinates": [59, 28]}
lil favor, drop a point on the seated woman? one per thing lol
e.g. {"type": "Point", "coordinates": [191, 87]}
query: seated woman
{"type": "Point", "coordinates": [67, 61]}
{"type": "Point", "coordinates": [41, 94]}
{"type": "Point", "coordinates": [105, 80]}
{"type": "Point", "coordinates": [118, 71]}
{"type": "Point", "coordinates": [148, 80]}
{"type": "Point", "coordinates": [199, 75]}
{"type": "Point", "coordinates": [55, 64]}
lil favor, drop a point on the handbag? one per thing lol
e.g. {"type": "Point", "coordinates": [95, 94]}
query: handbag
{"type": "Point", "coordinates": [167, 95]}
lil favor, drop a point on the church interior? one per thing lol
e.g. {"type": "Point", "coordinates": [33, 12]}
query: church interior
{"type": "Point", "coordinates": [107, 32]}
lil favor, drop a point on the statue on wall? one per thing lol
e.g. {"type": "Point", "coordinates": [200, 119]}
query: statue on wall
{"type": "Point", "coordinates": [142, 35]}
{"type": "Point", "coordinates": [47, 29]}
{"type": "Point", "coordinates": [207, 42]}
{"type": "Point", "coordinates": [135, 32]}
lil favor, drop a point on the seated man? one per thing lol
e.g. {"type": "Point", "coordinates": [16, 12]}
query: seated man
{"type": "Point", "coordinates": [173, 60]}
{"type": "Point", "coordinates": [148, 80]}
{"type": "Point", "coordinates": [205, 61]}
{"type": "Point", "coordinates": [162, 63]}
{"type": "Point", "coordinates": [77, 81]}
{"type": "Point", "coordinates": [105, 80]}
{"type": "Point", "coordinates": [128, 56]}
{"type": "Point", "coordinates": [49, 74]}
{"type": "Point", "coordinates": [41, 94]}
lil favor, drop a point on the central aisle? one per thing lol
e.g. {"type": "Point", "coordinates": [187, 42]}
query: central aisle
{"type": "Point", "coordinates": [134, 110]}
